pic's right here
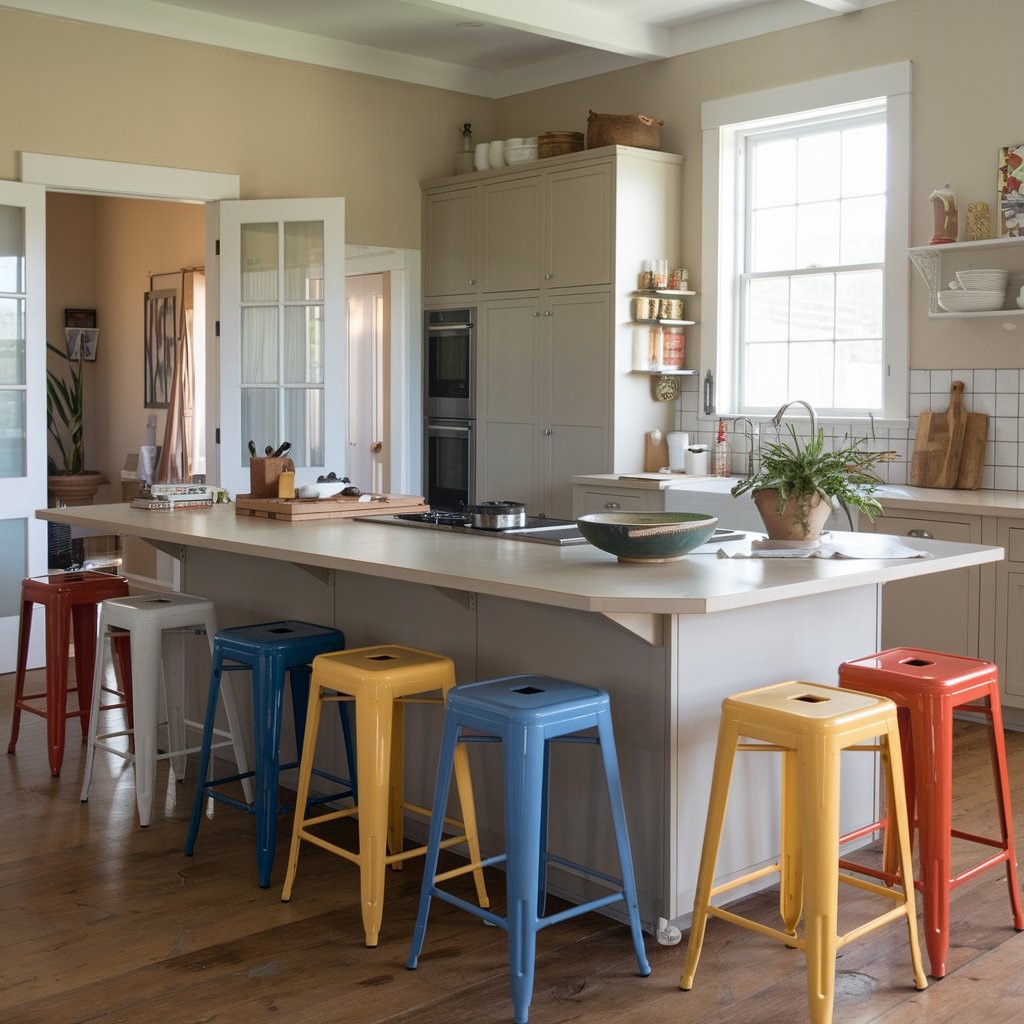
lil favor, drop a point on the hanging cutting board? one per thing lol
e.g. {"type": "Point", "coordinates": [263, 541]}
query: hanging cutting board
{"type": "Point", "coordinates": [972, 457]}
{"type": "Point", "coordinates": [655, 451]}
{"type": "Point", "coordinates": [939, 442]}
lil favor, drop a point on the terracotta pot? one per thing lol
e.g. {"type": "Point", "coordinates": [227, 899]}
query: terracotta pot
{"type": "Point", "coordinates": [801, 519]}
{"type": "Point", "coordinates": [75, 488]}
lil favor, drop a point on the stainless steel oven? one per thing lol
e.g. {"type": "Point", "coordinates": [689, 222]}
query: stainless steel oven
{"type": "Point", "coordinates": [449, 364]}
{"type": "Point", "coordinates": [449, 455]}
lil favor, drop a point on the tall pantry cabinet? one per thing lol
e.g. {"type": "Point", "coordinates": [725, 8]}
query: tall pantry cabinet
{"type": "Point", "coordinates": [549, 253]}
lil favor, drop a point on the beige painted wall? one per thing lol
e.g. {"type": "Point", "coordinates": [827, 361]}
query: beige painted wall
{"type": "Point", "coordinates": [965, 107]}
{"type": "Point", "coordinates": [286, 129]}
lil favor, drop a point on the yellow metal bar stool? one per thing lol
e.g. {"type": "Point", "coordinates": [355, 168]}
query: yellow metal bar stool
{"type": "Point", "coordinates": [380, 680]}
{"type": "Point", "coordinates": [810, 725]}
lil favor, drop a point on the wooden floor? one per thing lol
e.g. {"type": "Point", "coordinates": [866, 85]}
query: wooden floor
{"type": "Point", "coordinates": [102, 921]}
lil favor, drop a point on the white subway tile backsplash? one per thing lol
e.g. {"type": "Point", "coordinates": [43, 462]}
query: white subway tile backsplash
{"type": "Point", "coordinates": [1005, 453]}
{"type": "Point", "coordinates": [921, 403]}
{"type": "Point", "coordinates": [1007, 404]}
{"type": "Point", "coordinates": [983, 403]}
{"type": "Point", "coordinates": [1008, 381]}
{"type": "Point", "coordinates": [984, 380]}
{"type": "Point", "coordinates": [920, 381]}
{"type": "Point", "coordinates": [941, 380]}
{"type": "Point", "coordinates": [1004, 478]}
{"type": "Point", "coordinates": [966, 377]}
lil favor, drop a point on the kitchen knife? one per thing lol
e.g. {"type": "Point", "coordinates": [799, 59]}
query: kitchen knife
{"type": "Point", "coordinates": [252, 449]}
{"type": "Point", "coordinates": [269, 450]}
{"type": "Point", "coordinates": [281, 449]}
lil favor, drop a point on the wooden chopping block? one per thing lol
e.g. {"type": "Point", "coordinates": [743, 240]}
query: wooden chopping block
{"type": "Point", "coordinates": [939, 443]}
{"type": "Point", "coordinates": [655, 451]}
{"type": "Point", "coordinates": [972, 457]}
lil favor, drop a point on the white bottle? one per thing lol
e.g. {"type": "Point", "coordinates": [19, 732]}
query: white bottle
{"type": "Point", "coordinates": [678, 442]}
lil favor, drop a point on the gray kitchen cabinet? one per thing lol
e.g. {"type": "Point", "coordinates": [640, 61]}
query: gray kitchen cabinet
{"type": "Point", "coordinates": [551, 263]}
{"type": "Point", "coordinates": [944, 612]}
{"type": "Point", "coordinates": [1009, 612]}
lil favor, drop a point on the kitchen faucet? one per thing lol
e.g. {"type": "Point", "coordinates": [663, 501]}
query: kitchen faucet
{"type": "Point", "coordinates": [777, 418]}
{"type": "Point", "coordinates": [751, 434]}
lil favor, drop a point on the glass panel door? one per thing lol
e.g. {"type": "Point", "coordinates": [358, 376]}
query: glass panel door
{"type": "Point", "coordinates": [22, 406]}
{"type": "Point", "coordinates": [282, 335]}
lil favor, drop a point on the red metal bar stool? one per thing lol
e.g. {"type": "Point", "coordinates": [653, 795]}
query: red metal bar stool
{"type": "Point", "coordinates": [927, 687]}
{"type": "Point", "coordinates": [70, 600]}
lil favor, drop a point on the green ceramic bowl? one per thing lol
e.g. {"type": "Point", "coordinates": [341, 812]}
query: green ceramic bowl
{"type": "Point", "coordinates": [647, 536]}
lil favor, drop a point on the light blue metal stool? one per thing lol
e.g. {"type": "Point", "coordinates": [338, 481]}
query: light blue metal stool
{"type": "Point", "coordinates": [270, 652]}
{"type": "Point", "coordinates": [524, 713]}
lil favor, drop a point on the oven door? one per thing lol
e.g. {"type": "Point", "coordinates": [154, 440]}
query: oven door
{"type": "Point", "coordinates": [449, 455]}
{"type": "Point", "coordinates": [448, 365]}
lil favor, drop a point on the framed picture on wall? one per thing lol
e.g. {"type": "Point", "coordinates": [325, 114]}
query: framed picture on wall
{"type": "Point", "coordinates": [79, 317]}
{"type": "Point", "coordinates": [84, 340]}
{"type": "Point", "coordinates": [161, 324]}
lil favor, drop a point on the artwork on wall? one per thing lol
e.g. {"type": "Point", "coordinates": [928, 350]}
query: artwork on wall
{"type": "Point", "coordinates": [1010, 184]}
{"type": "Point", "coordinates": [161, 325]}
{"type": "Point", "coordinates": [80, 334]}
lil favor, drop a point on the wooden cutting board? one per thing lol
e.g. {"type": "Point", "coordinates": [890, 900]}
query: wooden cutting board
{"type": "Point", "coordinates": [655, 451]}
{"type": "Point", "coordinates": [292, 510]}
{"type": "Point", "coordinates": [939, 443]}
{"type": "Point", "coordinates": [972, 456]}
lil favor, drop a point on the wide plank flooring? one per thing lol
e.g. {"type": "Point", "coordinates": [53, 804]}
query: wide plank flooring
{"type": "Point", "coordinates": [103, 921]}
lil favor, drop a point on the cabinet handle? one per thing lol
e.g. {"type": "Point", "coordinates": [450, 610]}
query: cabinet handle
{"type": "Point", "coordinates": [612, 504]}
{"type": "Point", "coordinates": [472, 280]}
{"type": "Point", "coordinates": [546, 313]}
{"type": "Point", "coordinates": [548, 276]}
{"type": "Point", "coordinates": [548, 431]}
{"type": "Point", "coordinates": [922, 534]}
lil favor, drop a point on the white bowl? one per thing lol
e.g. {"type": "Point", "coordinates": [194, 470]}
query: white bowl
{"type": "Point", "coordinates": [983, 280]}
{"type": "Point", "coordinates": [520, 154]}
{"type": "Point", "coordinates": [960, 300]}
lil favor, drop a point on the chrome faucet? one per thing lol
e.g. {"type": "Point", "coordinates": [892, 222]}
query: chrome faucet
{"type": "Point", "coordinates": [777, 418]}
{"type": "Point", "coordinates": [751, 434]}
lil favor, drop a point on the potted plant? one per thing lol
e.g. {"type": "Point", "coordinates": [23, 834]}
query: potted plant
{"type": "Point", "coordinates": [797, 486]}
{"type": "Point", "coordinates": [69, 481]}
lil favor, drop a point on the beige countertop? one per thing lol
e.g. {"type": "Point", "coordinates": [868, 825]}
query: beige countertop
{"type": "Point", "coordinates": [576, 576]}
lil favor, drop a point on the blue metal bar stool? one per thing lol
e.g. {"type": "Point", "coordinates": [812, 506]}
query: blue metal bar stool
{"type": "Point", "coordinates": [270, 652]}
{"type": "Point", "coordinates": [524, 713]}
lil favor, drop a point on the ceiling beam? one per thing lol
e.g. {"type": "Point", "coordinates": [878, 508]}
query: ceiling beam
{"type": "Point", "coordinates": [563, 20]}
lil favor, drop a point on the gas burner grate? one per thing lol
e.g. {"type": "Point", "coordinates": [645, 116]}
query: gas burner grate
{"type": "Point", "coordinates": [437, 518]}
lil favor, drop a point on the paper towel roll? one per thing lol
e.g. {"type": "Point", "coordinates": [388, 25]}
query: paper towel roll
{"type": "Point", "coordinates": [678, 442]}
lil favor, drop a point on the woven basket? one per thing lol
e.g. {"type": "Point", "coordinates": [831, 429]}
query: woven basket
{"type": "Point", "coordinates": [623, 130]}
{"type": "Point", "coordinates": [559, 143]}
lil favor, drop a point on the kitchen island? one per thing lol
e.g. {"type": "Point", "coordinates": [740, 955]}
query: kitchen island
{"type": "Point", "coordinates": [668, 641]}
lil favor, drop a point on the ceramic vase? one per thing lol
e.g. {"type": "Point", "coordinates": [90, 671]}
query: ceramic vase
{"type": "Point", "coordinates": [480, 159]}
{"type": "Point", "coordinates": [496, 153]}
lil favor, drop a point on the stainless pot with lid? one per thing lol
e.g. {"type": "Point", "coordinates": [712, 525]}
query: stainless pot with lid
{"type": "Point", "coordinates": [498, 515]}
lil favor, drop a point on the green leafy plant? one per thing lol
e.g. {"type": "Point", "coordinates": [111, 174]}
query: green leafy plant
{"type": "Point", "coordinates": [65, 409]}
{"type": "Point", "coordinates": [841, 477]}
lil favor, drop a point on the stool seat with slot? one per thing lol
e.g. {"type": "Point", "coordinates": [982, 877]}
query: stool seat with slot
{"type": "Point", "coordinates": [70, 601]}
{"type": "Point", "coordinates": [380, 681]}
{"type": "Point", "coordinates": [525, 714]}
{"type": "Point", "coordinates": [810, 725]}
{"type": "Point", "coordinates": [150, 623]}
{"type": "Point", "coordinates": [272, 653]}
{"type": "Point", "coordinates": [927, 687]}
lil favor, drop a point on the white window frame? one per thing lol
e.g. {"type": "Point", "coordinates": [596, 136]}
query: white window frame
{"type": "Point", "coordinates": [723, 210]}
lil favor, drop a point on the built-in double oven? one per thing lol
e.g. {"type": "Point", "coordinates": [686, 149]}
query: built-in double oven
{"type": "Point", "coordinates": [449, 407]}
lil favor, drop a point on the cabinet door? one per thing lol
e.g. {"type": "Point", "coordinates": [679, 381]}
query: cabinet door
{"type": "Point", "coordinates": [450, 242]}
{"type": "Point", "coordinates": [939, 612]}
{"type": "Point", "coordinates": [578, 228]}
{"type": "Point", "coordinates": [1010, 637]}
{"type": "Point", "coordinates": [508, 410]}
{"type": "Point", "coordinates": [587, 500]}
{"type": "Point", "coordinates": [579, 375]}
{"type": "Point", "coordinates": [510, 235]}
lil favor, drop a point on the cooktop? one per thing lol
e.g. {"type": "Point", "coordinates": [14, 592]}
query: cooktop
{"type": "Point", "coordinates": [539, 529]}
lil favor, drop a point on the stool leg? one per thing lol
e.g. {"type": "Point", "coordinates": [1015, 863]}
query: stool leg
{"type": "Point", "coordinates": [97, 687]}
{"type": "Point", "coordinates": [725, 754]}
{"type": "Point", "coordinates": [57, 635]}
{"type": "Point", "coordinates": [203, 772]}
{"type": "Point", "coordinates": [83, 619]}
{"type": "Point", "coordinates": [618, 810]}
{"type": "Point", "coordinates": [373, 762]}
{"type": "Point", "coordinates": [524, 774]}
{"type": "Point", "coordinates": [818, 767]}
{"type": "Point", "coordinates": [442, 786]}
{"type": "Point", "coordinates": [997, 741]}
{"type": "Point", "coordinates": [933, 758]}
{"type": "Point", "coordinates": [24, 632]}
{"type": "Point", "coordinates": [464, 786]}
{"type": "Point", "coordinates": [267, 704]}
{"type": "Point", "coordinates": [172, 664]}
{"type": "Point", "coordinates": [146, 645]}
{"type": "Point", "coordinates": [899, 831]}
{"type": "Point", "coordinates": [889, 853]}
{"type": "Point", "coordinates": [311, 731]}
{"type": "Point", "coordinates": [396, 783]}
{"type": "Point", "coordinates": [791, 858]}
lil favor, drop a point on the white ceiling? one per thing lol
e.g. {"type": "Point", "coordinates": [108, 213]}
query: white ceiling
{"type": "Point", "coordinates": [489, 48]}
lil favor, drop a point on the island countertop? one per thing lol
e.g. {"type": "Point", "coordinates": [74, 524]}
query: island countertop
{"type": "Point", "coordinates": [574, 576]}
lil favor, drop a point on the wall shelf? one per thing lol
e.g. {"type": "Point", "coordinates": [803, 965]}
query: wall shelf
{"type": "Point", "coordinates": [930, 262]}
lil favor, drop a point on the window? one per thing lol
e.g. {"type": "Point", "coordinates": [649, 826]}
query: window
{"type": "Point", "coordinates": [806, 230]}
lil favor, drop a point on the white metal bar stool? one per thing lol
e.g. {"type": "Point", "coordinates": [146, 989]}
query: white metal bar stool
{"type": "Point", "coordinates": [147, 619]}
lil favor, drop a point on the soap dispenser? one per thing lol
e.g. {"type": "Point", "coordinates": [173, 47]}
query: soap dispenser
{"type": "Point", "coordinates": [723, 453]}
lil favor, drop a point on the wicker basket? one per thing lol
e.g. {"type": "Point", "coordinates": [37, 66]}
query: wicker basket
{"type": "Point", "coordinates": [623, 130]}
{"type": "Point", "coordinates": [559, 143]}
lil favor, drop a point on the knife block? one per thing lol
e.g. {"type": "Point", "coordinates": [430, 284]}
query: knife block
{"type": "Point", "coordinates": [263, 475]}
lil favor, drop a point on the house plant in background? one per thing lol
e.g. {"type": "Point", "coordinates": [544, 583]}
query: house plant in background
{"type": "Point", "coordinates": [69, 481]}
{"type": "Point", "coordinates": [796, 486]}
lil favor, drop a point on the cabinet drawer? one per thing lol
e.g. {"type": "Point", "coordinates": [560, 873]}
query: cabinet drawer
{"type": "Point", "coordinates": [939, 529]}
{"type": "Point", "coordinates": [614, 501]}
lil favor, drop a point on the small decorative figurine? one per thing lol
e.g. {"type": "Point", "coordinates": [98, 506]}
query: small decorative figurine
{"type": "Point", "coordinates": [945, 216]}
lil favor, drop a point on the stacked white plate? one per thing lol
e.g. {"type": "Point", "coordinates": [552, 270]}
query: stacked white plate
{"type": "Point", "coordinates": [961, 300]}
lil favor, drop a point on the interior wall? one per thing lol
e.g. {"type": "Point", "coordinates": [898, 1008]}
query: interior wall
{"type": "Point", "coordinates": [963, 111]}
{"type": "Point", "coordinates": [286, 129]}
{"type": "Point", "coordinates": [100, 253]}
